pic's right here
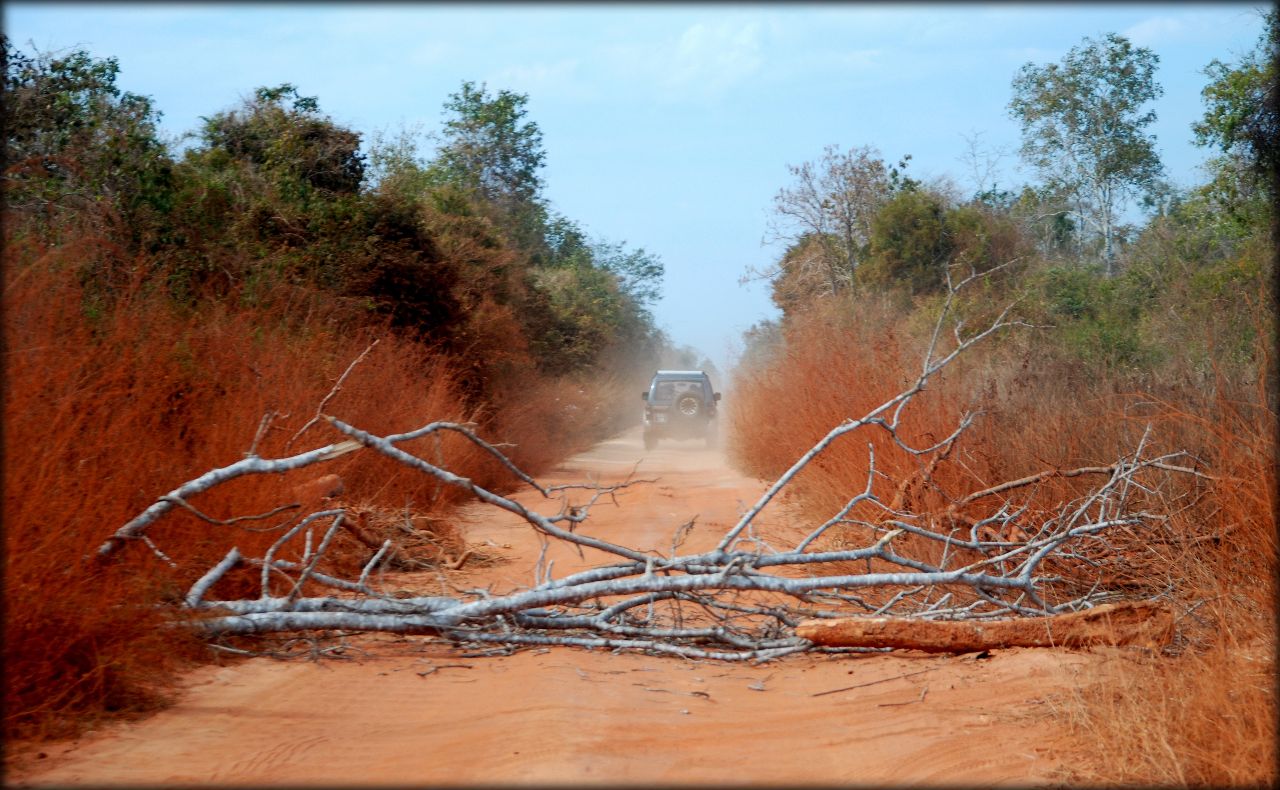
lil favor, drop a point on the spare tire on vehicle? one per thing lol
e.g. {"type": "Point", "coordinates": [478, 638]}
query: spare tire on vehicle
{"type": "Point", "coordinates": [689, 405]}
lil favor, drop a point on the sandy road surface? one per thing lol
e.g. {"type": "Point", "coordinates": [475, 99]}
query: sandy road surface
{"type": "Point", "coordinates": [563, 715]}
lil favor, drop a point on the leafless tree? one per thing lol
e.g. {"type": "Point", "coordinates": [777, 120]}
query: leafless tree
{"type": "Point", "coordinates": [825, 216]}
{"type": "Point", "coordinates": [982, 161]}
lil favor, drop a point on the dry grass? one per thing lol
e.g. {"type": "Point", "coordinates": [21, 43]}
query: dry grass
{"type": "Point", "coordinates": [113, 399]}
{"type": "Point", "coordinates": [1204, 716]}
{"type": "Point", "coordinates": [831, 370]}
{"type": "Point", "coordinates": [834, 368]}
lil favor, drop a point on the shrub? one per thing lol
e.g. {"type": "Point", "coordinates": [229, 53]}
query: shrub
{"type": "Point", "coordinates": [110, 403]}
{"type": "Point", "coordinates": [1049, 400]}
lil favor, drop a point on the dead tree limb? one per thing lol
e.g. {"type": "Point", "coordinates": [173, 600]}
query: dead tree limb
{"type": "Point", "coordinates": [252, 465]}
{"type": "Point", "coordinates": [337, 387]}
{"type": "Point", "coordinates": [1146, 624]}
{"type": "Point", "coordinates": [743, 599]}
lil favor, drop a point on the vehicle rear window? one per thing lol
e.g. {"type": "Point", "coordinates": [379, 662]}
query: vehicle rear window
{"type": "Point", "coordinates": [667, 390]}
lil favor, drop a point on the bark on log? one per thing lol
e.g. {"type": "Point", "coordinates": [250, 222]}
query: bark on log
{"type": "Point", "coordinates": [1144, 624]}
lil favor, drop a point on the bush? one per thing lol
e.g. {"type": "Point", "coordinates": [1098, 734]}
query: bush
{"type": "Point", "coordinates": [910, 245]}
{"type": "Point", "coordinates": [1058, 399]}
{"type": "Point", "coordinates": [111, 403]}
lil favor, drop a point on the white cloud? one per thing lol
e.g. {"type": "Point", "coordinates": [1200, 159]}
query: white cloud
{"type": "Point", "coordinates": [540, 79]}
{"type": "Point", "coordinates": [714, 57]}
{"type": "Point", "coordinates": [703, 61]}
{"type": "Point", "coordinates": [1156, 30]}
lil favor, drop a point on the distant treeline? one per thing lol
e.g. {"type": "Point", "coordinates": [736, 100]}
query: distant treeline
{"type": "Point", "coordinates": [1127, 295]}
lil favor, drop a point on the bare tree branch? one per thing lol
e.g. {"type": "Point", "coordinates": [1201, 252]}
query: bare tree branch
{"type": "Point", "coordinates": [248, 466]}
{"type": "Point", "coordinates": [742, 599]}
{"type": "Point", "coordinates": [337, 387]}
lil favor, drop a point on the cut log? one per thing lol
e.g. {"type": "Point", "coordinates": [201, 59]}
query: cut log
{"type": "Point", "coordinates": [318, 488]}
{"type": "Point", "coordinates": [1144, 624]}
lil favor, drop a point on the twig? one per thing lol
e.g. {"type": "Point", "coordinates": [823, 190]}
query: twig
{"type": "Point", "coordinates": [923, 691]}
{"type": "Point", "coordinates": [156, 551]}
{"type": "Point", "coordinates": [437, 667]}
{"type": "Point", "coordinates": [228, 521]}
{"type": "Point", "coordinates": [263, 425]}
{"type": "Point", "coordinates": [337, 387]}
{"type": "Point", "coordinates": [875, 682]}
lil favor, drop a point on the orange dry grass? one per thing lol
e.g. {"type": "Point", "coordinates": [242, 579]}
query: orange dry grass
{"type": "Point", "coordinates": [110, 402]}
{"type": "Point", "coordinates": [1204, 717]}
{"type": "Point", "coordinates": [1208, 716]}
{"type": "Point", "coordinates": [834, 368]}
{"type": "Point", "coordinates": [830, 371]}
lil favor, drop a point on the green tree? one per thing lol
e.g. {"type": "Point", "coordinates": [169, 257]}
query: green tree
{"type": "Point", "coordinates": [918, 236]}
{"type": "Point", "coordinates": [828, 211]}
{"type": "Point", "coordinates": [761, 342]}
{"type": "Point", "coordinates": [583, 313]}
{"type": "Point", "coordinates": [595, 296]}
{"type": "Point", "coordinates": [75, 142]}
{"type": "Point", "coordinates": [910, 243]}
{"type": "Point", "coordinates": [638, 272]}
{"type": "Point", "coordinates": [274, 179]}
{"type": "Point", "coordinates": [283, 135]}
{"type": "Point", "coordinates": [982, 237]}
{"type": "Point", "coordinates": [1240, 111]}
{"type": "Point", "coordinates": [1045, 217]}
{"type": "Point", "coordinates": [394, 166]}
{"type": "Point", "coordinates": [1083, 128]}
{"type": "Point", "coordinates": [489, 149]}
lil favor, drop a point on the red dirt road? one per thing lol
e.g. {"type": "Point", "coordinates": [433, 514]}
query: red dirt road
{"type": "Point", "coordinates": [408, 711]}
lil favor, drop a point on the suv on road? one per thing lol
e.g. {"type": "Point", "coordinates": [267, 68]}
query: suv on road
{"type": "Point", "coordinates": [680, 404]}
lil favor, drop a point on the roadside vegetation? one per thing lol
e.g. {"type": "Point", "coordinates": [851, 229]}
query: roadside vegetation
{"type": "Point", "coordinates": [1163, 327]}
{"type": "Point", "coordinates": [170, 306]}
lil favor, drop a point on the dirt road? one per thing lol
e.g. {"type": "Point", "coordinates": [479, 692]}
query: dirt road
{"type": "Point", "coordinates": [402, 711]}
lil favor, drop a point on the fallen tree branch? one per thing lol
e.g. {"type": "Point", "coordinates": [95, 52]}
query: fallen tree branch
{"type": "Point", "coordinates": [931, 581]}
{"type": "Point", "coordinates": [337, 387]}
{"type": "Point", "coordinates": [252, 465]}
{"type": "Point", "coordinates": [1159, 463]}
{"type": "Point", "coordinates": [1145, 624]}
{"type": "Point", "coordinates": [875, 682]}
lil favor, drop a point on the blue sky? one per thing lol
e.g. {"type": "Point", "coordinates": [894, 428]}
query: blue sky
{"type": "Point", "coordinates": [667, 126]}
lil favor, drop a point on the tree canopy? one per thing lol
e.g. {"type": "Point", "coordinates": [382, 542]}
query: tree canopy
{"type": "Point", "coordinates": [73, 137]}
{"type": "Point", "coordinates": [283, 132]}
{"type": "Point", "coordinates": [488, 146]}
{"type": "Point", "coordinates": [1084, 123]}
{"type": "Point", "coordinates": [826, 216]}
{"type": "Point", "coordinates": [1241, 118]}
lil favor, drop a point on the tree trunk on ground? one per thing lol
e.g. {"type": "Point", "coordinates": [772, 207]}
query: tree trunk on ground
{"type": "Point", "coordinates": [1144, 624]}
